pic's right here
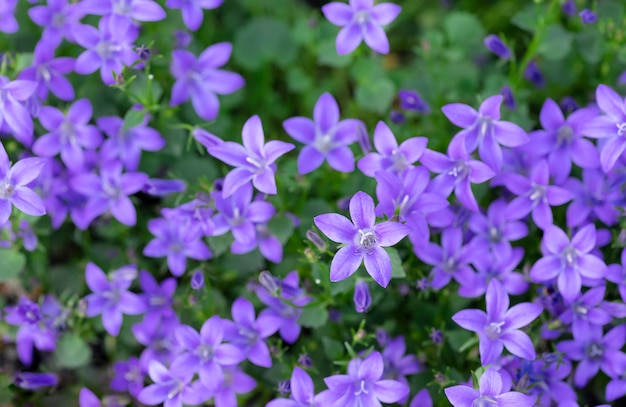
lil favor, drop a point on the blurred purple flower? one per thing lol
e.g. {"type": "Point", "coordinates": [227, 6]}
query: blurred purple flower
{"type": "Point", "coordinates": [569, 105]}
{"type": "Point", "coordinates": [491, 393]}
{"type": "Point", "coordinates": [235, 382]}
{"type": "Point", "coordinates": [14, 114]}
{"type": "Point", "coordinates": [49, 73]}
{"type": "Point", "coordinates": [8, 23]}
{"type": "Point", "coordinates": [59, 19]}
{"type": "Point", "coordinates": [172, 387]}
{"type": "Point", "coordinates": [587, 16]}
{"type": "Point", "coordinates": [412, 100]}
{"type": "Point", "coordinates": [302, 392]}
{"type": "Point", "coordinates": [35, 381]}
{"type": "Point", "coordinates": [158, 298]}
{"type": "Point", "coordinates": [507, 96]}
{"type": "Point", "coordinates": [397, 117]}
{"type": "Point", "coordinates": [122, 13]}
{"type": "Point", "coordinates": [569, 8]}
{"type": "Point", "coordinates": [361, 21]}
{"type": "Point", "coordinates": [495, 44]}
{"type": "Point", "coordinates": [160, 341]}
{"type": "Point", "coordinates": [128, 377]}
{"type": "Point", "coordinates": [362, 297]}
{"type": "Point", "coordinates": [164, 187]}
{"type": "Point", "coordinates": [364, 241]}
{"type": "Point", "coordinates": [397, 364]}
{"type": "Point", "coordinates": [422, 399]}
{"type": "Point", "coordinates": [192, 10]}
{"type": "Point", "coordinates": [490, 267]}
{"type": "Point", "coordinates": [534, 75]}
{"type": "Point", "coordinates": [201, 79]}
{"type": "Point", "coordinates": [254, 160]}
{"type": "Point", "coordinates": [197, 280]}
{"type": "Point", "coordinates": [326, 137]}
{"type": "Point", "coordinates": [594, 198]}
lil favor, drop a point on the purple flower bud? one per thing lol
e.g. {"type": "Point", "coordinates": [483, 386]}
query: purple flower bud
{"type": "Point", "coordinates": [497, 46]}
{"type": "Point", "coordinates": [334, 315]}
{"type": "Point", "coordinates": [569, 105]}
{"type": "Point", "coordinates": [569, 8]}
{"type": "Point", "coordinates": [397, 117]}
{"type": "Point", "coordinates": [315, 238]}
{"type": "Point", "coordinates": [382, 337]}
{"type": "Point", "coordinates": [436, 336]}
{"type": "Point", "coordinates": [205, 138]}
{"type": "Point", "coordinates": [284, 387]}
{"type": "Point", "coordinates": [422, 284]}
{"type": "Point", "coordinates": [294, 219]}
{"type": "Point", "coordinates": [34, 381]}
{"type": "Point", "coordinates": [305, 361]}
{"type": "Point", "coordinates": [588, 17]}
{"type": "Point", "coordinates": [404, 289]}
{"type": "Point", "coordinates": [362, 297]}
{"type": "Point", "coordinates": [509, 99]}
{"type": "Point", "coordinates": [197, 280]}
{"type": "Point", "coordinates": [621, 79]}
{"type": "Point", "coordinates": [182, 39]}
{"type": "Point", "coordinates": [143, 52]}
{"type": "Point", "coordinates": [163, 187]}
{"type": "Point", "coordinates": [533, 74]}
{"type": "Point", "coordinates": [343, 204]}
{"type": "Point", "coordinates": [219, 184]}
{"type": "Point", "coordinates": [363, 138]}
{"type": "Point", "coordinates": [411, 100]}
{"type": "Point", "coordinates": [268, 281]}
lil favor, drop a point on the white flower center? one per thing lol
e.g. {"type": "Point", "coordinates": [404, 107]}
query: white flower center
{"type": "Point", "coordinates": [564, 135]}
{"type": "Point", "coordinates": [367, 239]}
{"type": "Point", "coordinates": [538, 192]}
{"type": "Point", "coordinates": [6, 189]}
{"type": "Point", "coordinates": [361, 17]}
{"type": "Point", "coordinates": [361, 389]}
{"type": "Point", "coordinates": [621, 129]}
{"type": "Point", "coordinates": [494, 329]}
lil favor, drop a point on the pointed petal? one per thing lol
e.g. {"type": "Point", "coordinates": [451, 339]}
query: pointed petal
{"type": "Point", "coordinates": [346, 261]}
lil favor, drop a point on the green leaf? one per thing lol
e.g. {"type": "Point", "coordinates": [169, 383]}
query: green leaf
{"type": "Point", "coordinates": [313, 317]}
{"type": "Point", "coordinates": [23, 60]}
{"type": "Point", "coordinates": [556, 44]}
{"type": "Point", "coordinates": [264, 40]}
{"type": "Point", "coordinates": [72, 351]}
{"type": "Point", "coordinates": [397, 271]}
{"type": "Point", "coordinates": [11, 263]}
{"type": "Point", "coordinates": [332, 348]}
{"type": "Point", "coordinates": [463, 30]}
{"type": "Point", "coordinates": [133, 118]}
{"type": "Point", "coordinates": [528, 17]}
{"type": "Point", "coordinates": [376, 96]}
{"type": "Point", "coordinates": [282, 227]}
{"type": "Point", "coordinates": [589, 42]}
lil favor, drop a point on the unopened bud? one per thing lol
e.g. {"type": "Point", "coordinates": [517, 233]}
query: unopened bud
{"type": "Point", "coordinates": [362, 297]}
{"type": "Point", "coordinates": [382, 337]}
{"type": "Point", "coordinates": [305, 361]}
{"type": "Point", "coordinates": [284, 387]}
{"type": "Point", "coordinates": [268, 281]}
{"type": "Point", "coordinates": [315, 238]}
{"type": "Point", "coordinates": [363, 138]}
{"type": "Point", "coordinates": [205, 138]}
{"type": "Point", "coordinates": [163, 187]}
{"type": "Point", "coordinates": [197, 280]}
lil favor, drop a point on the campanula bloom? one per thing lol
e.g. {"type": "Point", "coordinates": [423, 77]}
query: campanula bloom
{"type": "Point", "coordinates": [235, 382]}
{"type": "Point", "coordinates": [128, 376]}
{"type": "Point", "coordinates": [13, 186]}
{"type": "Point", "coordinates": [361, 21]}
{"type": "Point", "coordinates": [68, 134]}
{"type": "Point", "coordinates": [587, 309]}
{"type": "Point", "coordinates": [362, 386]}
{"type": "Point", "coordinates": [534, 75]}
{"type": "Point", "coordinates": [422, 399]}
{"type": "Point", "coordinates": [302, 391]}
{"type": "Point", "coordinates": [8, 23]}
{"type": "Point", "coordinates": [491, 392]}
{"type": "Point", "coordinates": [616, 273]}
{"type": "Point", "coordinates": [491, 266]}
{"type": "Point", "coordinates": [587, 16]}
{"type": "Point", "coordinates": [35, 381]}
{"type": "Point", "coordinates": [499, 327]}
{"type": "Point", "coordinates": [192, 10]}
{"type": "Point", "coordinates": [159, 340]}
{"type": "Point", "coordinates": [594, 198]}
{"type": "Point", "coordinates": [411, 100]}
{"type": "Point", "coordinates": [157, 297]}
{"type": "Point", "coordinates": [49, 73]}
{"type": "Point", "coordinates": [110, 296]}
{"type": "Point", "coordinates": [398, 365]}
{"type": "Point", "coordinates": [495, 44]}
{"type": "Point", "coordinates": [363, 240]}
{"type": "Point", "coordinates": [483, 130]}
{"type": "Point", "coordinates": [326, 137]}
{"type": "Point", "coordinates": [14, 115]}
{"type": "Point", "coordinates": [197, 280]}
{"type": "Point", "coordinates": [508, 98]}
{"type": "Point", "coordinates": [390, 156]}
{"type": "Point", "coordinates": [59, 19]}
{"type": "Point", "coordinates": [254, 160]}
{"type": "Point", "coordinates": [201, 79]}
{"type": "Point", "coordinates": [568, 261]}
{"type": "Point", "coordinates": [172, 387]}
{"type": "Point", "coordinates": [124, 12]}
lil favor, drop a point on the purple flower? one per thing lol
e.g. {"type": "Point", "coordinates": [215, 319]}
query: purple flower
{"type": "Point", "coordinates": [68, 134]}
{"type": "Point", "coordinates": [587, 310]}
{"type": "Point", "coordinates": [35, 381]}
{"type": "Point", "coordinates": [326, 137]}
{"type": "Point", "coordinates": [197, 280]}
{"type": "Point", "coordinates": [164, 187]}
{"type": "Point", "coordinates": [13, 113]}
{"type": "Point", "coordinates": [595, 352]}
{"type": "Point", "coordinates": [534, 195]}
{"type": "Point", "coordinates": [484, 130]}
{"type": "Point", "coordinates": [302, 392]}
{"type": "Point", "coordinates": [616, 273]}
{"type": "Point", "coordinates": [205, 352]}
{"type": "Point", "coordinates": [127, 144]}
{"type": "Point", "coordinates": [361, 21]}
{"type": "Point", "coordinates": [397, 117]}
{"type": "Point", "coordinates": [128, 377]}
{"type": "Point", "coordinates": [192, 10]}
{"type": "Point", "coordinates": [362, 297]}
{"type": "Point", "coordinates": [397, 364]}
{"type": "Point", "coordinates": [13, 186]}
{"type": "Point", "coordinates": [201, 79]}
{"type": "Point", "coordinates": [109, 49]}
{"type": "Point", "coordinates": [569, 261]}
{"type": "Point", "coordinates": [60, 19]}
{"type": "Point", "coordinates": [123, 12]}
{"type": "Point", "coordinates": [534, 75]}
{"type": "Point", "coordinates": [411, 100]}
{"type": "Point", "coordinates": [490, 267]}
{"type": "Point", "coordinates": [561, 140]}
{"type": "Point", "coordinates": [109, 192]}
{"type": "Point", "coordinates": [254, 160]}
{"type": "Point", "coordinates": [172, 387]}
{"type": "Point", "coordinates": [588, 17]}
{"type": "Point", "coordinates": [507, 97]}
{"type": "Point", "coordinates": [157, 298]}
{"type": "Point", "coordinates": [111, 297]}
{"type": "Point", "coordinates": [363, 240]}
{"type": "Point", "coordinates": [422, 399]}
{"type": "Point", "coordinates": [8, 23]}
{"type": "Point", "coordinates": [160, 341]}
{"type": "Point", "coordinates": [499, 327]}
{"type": "Point", "coordinates": [362, 386]}
{"type": "Point", "coordinates": [491, 393]}
{"type": "Point", "coordinates": [495, 44]}
{"type": "Point", "coordinates": [569, 8]}
{"type": "Point", "coordinates": [235, 382]}
{"type": "Point", "coordinates": [390, 156]}
{"type": "Point", "coordinates": [457, 171]}
{"type": "Point", "coordinates": [48, 72]}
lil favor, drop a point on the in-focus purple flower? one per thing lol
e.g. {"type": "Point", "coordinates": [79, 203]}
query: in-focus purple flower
{"type": "Point", "coordinates": [302, 392]}
{"type": "Point", "coordinates": [326, 137]}
{"type": "Point", "coordinates": [205, 352]}
{"type": "Point", "coordinates": [172, 387]}
{"type": "Point", "coordinates": [361, 21]}
{"type": "Point", "coordinates": [68, 134]}
{"type": "Point", "coordinates": [254, 160]}
{"type": "Point", "coordinates": [127, 144]}
{"type": "Point", "coordinates": [60, 19]}
{"type": "Point", "coordinates": [248, 333]}
{"type": "Point", "coordinates": [595, 352]}
{"type": "Point", "coordinates": [108, 48]}
{"type": "Point", "coordinates": [568, 261]}
{"type": "Point", "coordinates": [13, 113]}
{"type": "Point", "coordinates": [363, 240]}
{"type": "Point", "coordinates": [201, 79]}
{"type": "Point", "coordinates": [192, 10]}
{"type": "Point", "coordinates": [362, 386]}
{"type": "Point", "coordinates": [411, 100]}
{"type": "Point", "coordinates": [490, 267]}
{"type": "Point", "coordinates": [362, 297]}
{"type": "Point", "coordinates": [285, 303]}
{"type": "Point", "coordinates": [491, 393]}
{"type": "Point", "coordinates": [8, 23]}
{"type": "Point", "coordinates": [235, 382]}
{"type": "Point", "coordinates": [483, 130]}
{"type": "Point", "coordinates": [495, 44]}
{"type": "Point", "coordinates": [109, 192]}
{"type": "Point", "coordinates": [534, 195]}
{"type": "Point", "coordinates": [508, 97]}
{"type": "Point", "coordinates": [177, 241]}
{"type": "Point", "coordinates": [35, 381]}
{"type": "Point", "coordinates": [49, 73]}
{"type": "Point", "coordinates": [390, 156]}
{"type": "Point", "coordinates": [499, 327]}
{"type": "Point", "coordinates": [534, 75]}
{"type": "Point", "coordinates": [457, 171]}
{"type": "Point", "coordinates": [128, 377]}
{"type": "Point", "coordinates": [13, 186]}
{"type": "Point", "coordinates": [110, 297]}
{"type": "Point", "coordinates": [587, 16]}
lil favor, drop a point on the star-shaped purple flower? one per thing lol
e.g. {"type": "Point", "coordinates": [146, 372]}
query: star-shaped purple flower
{"type": "Point", "coordinates": [49, 73]}
{"type": "Point", "coordinates": [59, 18]}
{"type": "Point", "coordinates": [363, 240]}
{"type": "Point", "coordinates": [14, 114]}
{"type": "Point", "coordinates": [302, 391]}
{"type": "Point", "coordinates": [192, 10]}
{"type": "Point", "coordinates": [491, 393]}
{"type": "Point", "coordinates": [172, 387]}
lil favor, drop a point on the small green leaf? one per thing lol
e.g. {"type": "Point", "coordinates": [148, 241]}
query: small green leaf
{"type": "Point", "coordinates": [133, 118]}
{"type": "Point", "coordinates": [397, 271]}
{"type": "Point", "coordinates": [556, 44]}
{"type": "Point", "coordinates": [313, 317]}
{"type": "Point", "coordinates": [72, 351]}
{"type": "Point", "coordinates": [11, 263]}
